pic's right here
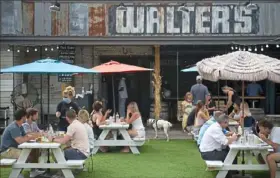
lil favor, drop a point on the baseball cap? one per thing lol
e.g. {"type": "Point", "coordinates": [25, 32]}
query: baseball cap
{"type": "Point", "coordinates": [198, 77]}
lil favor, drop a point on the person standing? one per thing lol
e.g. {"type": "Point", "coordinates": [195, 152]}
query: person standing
{"type": "Point", "coordinates": [186, 109]}
{"type": "Point", "coordinates": [65, 105]}
{"type": "Point", "coordinates": [122, 97]}
{"type": "Point", "coordinates": [232, 98]}
{"type": "Point", "coordinates": [199, 91]}
{"type": "Point", "coordinates": [254, 89]}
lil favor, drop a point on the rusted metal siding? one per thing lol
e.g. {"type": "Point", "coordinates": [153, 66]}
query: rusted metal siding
{"type": "Point", "coordinates": [28, 18]}
{"type": "Point", "coordinates": [42, 19]}
{"type": "Point", "coordinates": [96, 19]}
{"type": "Point", "coordinates": [90, 19]}
{"type": "Point", "coordinates": [60, 21]}
{"type": "Point", "coordinates": [78, 19]}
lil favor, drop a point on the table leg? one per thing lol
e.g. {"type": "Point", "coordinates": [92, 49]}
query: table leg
{"type": "Point", "coordinates": [249, 156]}
{"type": "Point", "coordinates": [101, 137]}
{"type": "Point", "coordinates": [264, 154]}
{"type": "Point", "coordinates": [228, 161]}
{"type": "Point", "coordinates": [126, 136]}
{"type": "Point", "coordinates": [61, 159]}
{"type": "Point", "coordinates": [22, 159]}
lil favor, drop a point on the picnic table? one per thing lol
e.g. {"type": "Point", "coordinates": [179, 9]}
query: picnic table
{"type": "Point", "coordinates": [249, 150]}
{"type": "Point", "coordinates": [115, 128]}
{"type": "Point", "coordinates": [61, 163]}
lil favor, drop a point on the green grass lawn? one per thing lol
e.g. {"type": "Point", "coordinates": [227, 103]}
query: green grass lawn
{"type": "Point", "coordinates": [158, 159]}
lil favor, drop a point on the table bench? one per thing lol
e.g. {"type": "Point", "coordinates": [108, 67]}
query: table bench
{"type": "Point", "coordinates": [7, 162]}
{"type": "Point", "coordinates": [115, 128]}
{"type": "Point", "coordinates": [62, 164]}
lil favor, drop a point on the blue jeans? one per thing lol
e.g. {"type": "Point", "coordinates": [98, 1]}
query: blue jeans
{"type": "Point", "coordinates": [74, 154]}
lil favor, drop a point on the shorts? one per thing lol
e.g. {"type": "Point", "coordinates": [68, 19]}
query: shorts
{"type": "Point", "coordinates": [11, 153]}
{"type": "Point", "coordinates": [141, 133]}
{"type": "Point", "coordinates": [74, 154]}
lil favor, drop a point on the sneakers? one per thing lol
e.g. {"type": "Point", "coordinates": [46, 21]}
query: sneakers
{"type": "Point", "coordinates": [36, 172]}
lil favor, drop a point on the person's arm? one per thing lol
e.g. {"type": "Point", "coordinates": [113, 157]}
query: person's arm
{"type": "Point", "coordinates": [99, 120]}
{"type": "Point", "coordinates": [133, 118]}
{"type": "Point", "coordinates": [58, 110]}
{"type": "Point", "coordinates": [222, 139]}
{"type": "Point", "coordinates": [203, 116]}
{"type": "Point", "coordinates": [269, 142]}
{"type": "Point", "coordinates": [63, 140]}
{"type": "Point", "coordinates": [15, 133]}
{"type": "Point", "coordinates": [229, 102]}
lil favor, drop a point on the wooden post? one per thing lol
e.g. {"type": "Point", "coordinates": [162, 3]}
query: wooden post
{"type": "Point", "coordinates": [63, 86]}
{"type": "Point", "coordinates": [157, 83]}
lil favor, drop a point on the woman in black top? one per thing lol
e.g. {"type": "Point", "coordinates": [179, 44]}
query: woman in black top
{"type": "Point", "coordinates": [232, 97]}
{"type": "Point", "coordinates": [64, 106]}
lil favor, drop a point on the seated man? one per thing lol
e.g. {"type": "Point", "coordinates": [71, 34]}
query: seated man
{"type": "Point", "coordinates": [30, 126]}
{"type": "Point", "coordinates": [207, 124]}
{"type": "Point", "coordinates": [211, 146]}
{"type": "Point", "coordinates": [15, 135]}
{"type": "Point", "coordinates": [77, 135]}
{"type": "Point", "coordinates": [271, 135]}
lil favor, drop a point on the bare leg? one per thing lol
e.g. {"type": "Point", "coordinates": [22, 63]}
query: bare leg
{"type": "Point", "coordinates": [271, 160]}
{"type": "Point", "coordinates": [132, 133]}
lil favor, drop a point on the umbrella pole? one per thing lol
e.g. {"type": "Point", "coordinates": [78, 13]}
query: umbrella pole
{"type": "Point", "coordinates": [114, 103]}
{"type": "Point", "coordinates": [218, 94]}
{"type": "Point", "coordinates": [48, 161]}
{"type": "Point", "coordinates": [242, 116]}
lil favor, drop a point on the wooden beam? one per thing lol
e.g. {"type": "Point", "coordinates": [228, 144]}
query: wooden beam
{"type": "Point", "coordinates": [157, 82]}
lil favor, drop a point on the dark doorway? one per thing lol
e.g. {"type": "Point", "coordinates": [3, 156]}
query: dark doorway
{"type": "Point", "coordinates": [137, 83]}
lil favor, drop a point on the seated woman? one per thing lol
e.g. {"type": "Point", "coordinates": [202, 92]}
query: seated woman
{"type": "Point", "coordinates": [138, 129]}
{"type": "Point", "coordinates": [83, 117]}
{"type": "Point", "coordinates": [201, 116]}
{"type": "Point", "coordinates": [247, 120]}
{"type": "Point", "coordinates": [98, 119]}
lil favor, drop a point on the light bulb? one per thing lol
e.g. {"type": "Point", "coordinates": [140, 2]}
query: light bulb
{"type": "Point", "coordinates": [267, 46]}
{"type": "Point", "coordinates": [236, 47]}
{"type": "Point", "coordinates": [8, 50]}
{"type": "Point", "coordinates": [46, 49]}
{"type": "Point", "coordinates": [277, 46]}
{"type": "Point", "coordinates": [57, 47]}
{"type": "Point", "coordinates": [35, 49]}
{"type": "Point", "coordinates": [261, 48]}
{"type": "Point", "coordinates": [51, 49]}
{"type": "Point", "coordinates": [232, 48]}
{"type": "Point", "coordinates": [18, 50]}
{"type": "Point", "coordinates": [249, 49]}
{"type": "Point", "coordinates": [256, 49]}
{"type": "Point", "coordinates": [27, 50]}
{"type": "Point", "coordinates": [244, 49]}
{"type": "Point", "coordinates": [239, 49]}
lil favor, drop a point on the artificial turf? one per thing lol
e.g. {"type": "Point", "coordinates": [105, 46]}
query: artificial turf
{"type": "Point", "coordinates": [158, 159]}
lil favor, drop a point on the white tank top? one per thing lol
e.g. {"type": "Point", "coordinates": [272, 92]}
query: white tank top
{"type": "Point", "coordinates": [137, 124]}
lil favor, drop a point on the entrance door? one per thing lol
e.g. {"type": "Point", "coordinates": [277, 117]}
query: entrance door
{"type": "Point", "coordinates": [137, 83]}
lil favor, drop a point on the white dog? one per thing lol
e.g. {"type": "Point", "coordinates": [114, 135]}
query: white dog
{"type": "Point", "coordinates": [158, 124]}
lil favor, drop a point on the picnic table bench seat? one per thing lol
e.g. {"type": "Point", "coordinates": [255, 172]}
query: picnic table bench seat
{"type": "Point", "coordinates": [7, 162]}
{"type": "Point", "coordinates": [139, 141]}
{"type": "Point", "coordinates": [214, 165]}
{"type": "Point", "coordinates": [75, 163]}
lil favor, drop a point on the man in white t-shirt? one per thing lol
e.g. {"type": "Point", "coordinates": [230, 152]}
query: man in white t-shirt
{"type": "Point", "coordinates": [214, 139]}
{"type": "Point", "coordinates": [271, 135]}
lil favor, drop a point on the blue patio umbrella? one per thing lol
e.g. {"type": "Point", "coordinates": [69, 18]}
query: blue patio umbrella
{"type": "Point", "coordinates": [47, 66]}
{"type": "Point", "coordinates": [190, 69]}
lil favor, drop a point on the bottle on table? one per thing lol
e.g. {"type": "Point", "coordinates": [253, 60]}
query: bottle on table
{"type": "Point", "coordinates": [51, 132]}
{"type": "Point", "coordinates": [83, 91]}
{"type": "Point", "coordinates": [117, 117]}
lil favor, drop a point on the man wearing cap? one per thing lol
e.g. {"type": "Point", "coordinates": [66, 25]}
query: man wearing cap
{"type": "Point", "coordinates": [199, 91]}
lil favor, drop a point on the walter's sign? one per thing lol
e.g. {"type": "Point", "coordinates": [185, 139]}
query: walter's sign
{"type": "Point", "coordinates": [197, 19]}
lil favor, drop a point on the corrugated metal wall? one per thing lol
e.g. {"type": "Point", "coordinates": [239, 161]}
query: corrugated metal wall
{"type": "Point", "coordinates": [89, 19]}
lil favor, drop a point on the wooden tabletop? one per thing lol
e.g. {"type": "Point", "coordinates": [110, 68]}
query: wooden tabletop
{"type": "Point", "coordinates": [115, 126]}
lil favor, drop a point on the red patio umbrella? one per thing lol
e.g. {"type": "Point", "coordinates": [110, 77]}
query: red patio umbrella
{"type": "Point", "coordinates": [116, 67]}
